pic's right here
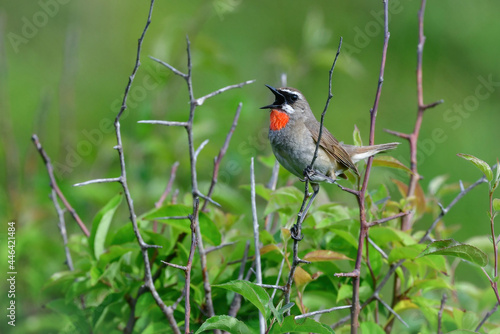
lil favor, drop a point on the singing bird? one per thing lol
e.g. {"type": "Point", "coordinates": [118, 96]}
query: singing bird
{"type": "Point", "coordinates": [294, 132]}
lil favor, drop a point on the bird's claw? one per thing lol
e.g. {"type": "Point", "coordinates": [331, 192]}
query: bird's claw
{"type": "Point", "coordinates": [309, 172]}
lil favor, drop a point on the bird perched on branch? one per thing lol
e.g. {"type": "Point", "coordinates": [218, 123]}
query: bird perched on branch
{"type": "Point", "coordinates": [294, 132]}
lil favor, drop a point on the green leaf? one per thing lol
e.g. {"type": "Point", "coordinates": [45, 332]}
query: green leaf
{"type": "Point", "coordinates": [483, 166]}
{"type": "Point", "coordinates": [306, 325]}
{"type": "Point", "coordinates": [391, 162]}
{"type": "Point", "coordinates": [208, 229]}
{"type": "Point", "coordinates": [251, 292]}
{"type": "Point", "coordinates": [406, 252]}
{"type": "Point", "coordinates": [74, 313]}
{"type": "Point", "coordinates": [371, 327]}
{"type": "Point", "coordinates": [356, 135]}
{"type": "Point", "coordinates": [283, 198]}
{"type": "Point", "coordinates": [224, 322]}
{"type": "Point", "coordinates": [496, 204]}
{"type": "Point", "coordinates": [454, 248]}
{"type": "Point", "coordinates": [345, 291]}
{"type": "Point", "coordinates": [100, 226]}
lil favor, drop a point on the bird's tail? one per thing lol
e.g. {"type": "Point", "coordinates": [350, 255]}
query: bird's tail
{"type": "Point", "coordinates": [358, 153]}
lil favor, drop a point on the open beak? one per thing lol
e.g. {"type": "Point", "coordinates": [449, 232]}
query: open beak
{"type": "Point", "coordinates": [279, 99]}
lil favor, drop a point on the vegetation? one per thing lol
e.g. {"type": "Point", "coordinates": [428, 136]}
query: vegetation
{"type": "Point", "coordinates": [173, 239]}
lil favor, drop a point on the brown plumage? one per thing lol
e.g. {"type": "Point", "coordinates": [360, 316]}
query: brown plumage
{"type": "Point", "coordinates": [293, 134]}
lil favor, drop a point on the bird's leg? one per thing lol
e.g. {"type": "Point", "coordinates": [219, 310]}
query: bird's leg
{"type": "Point", "coordinates": [295, 230]}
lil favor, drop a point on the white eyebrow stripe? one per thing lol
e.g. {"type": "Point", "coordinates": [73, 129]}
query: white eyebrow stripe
{"type": "Point", "coordinates": [292, 92]}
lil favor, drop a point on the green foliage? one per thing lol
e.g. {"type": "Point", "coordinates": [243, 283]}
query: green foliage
{"type": "Point", "coordinates": [109, 268]}
{"type": "Point", "coordinates": [251, 292]}
{"type": "Point", "coordinates": [224, 322]}
{"type": "Point", "coordinates": [453, 248]}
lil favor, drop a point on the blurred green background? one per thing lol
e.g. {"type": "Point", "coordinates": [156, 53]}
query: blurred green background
{"type": "Point", "coordinates": [64, 66]}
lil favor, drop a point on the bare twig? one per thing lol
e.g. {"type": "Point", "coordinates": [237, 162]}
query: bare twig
{"type": "Point", "coordinates": [486, 317]}
{"type": "Point", "coordinates": [166, 192]}
{"type": "Point", "coordinates": [422, 107]}
{"type": "Point", "coordinates": [166, 123]}
{"type": "Point", "coordinates": [62, 229]}
{"type": "Point", "coordinates": [108, 180]}
{"type": "Point", "coordinates": [364, 226]}
{"type": "Point", "coordinates": [296, 230]}
{"type": "Point", "coordinates": [193, 103]}
{"type": "Point", "coordinates": [392, 311]}
{"type": "Point", "coordinates": [236, 303]}
{"type": "Point", "coordinates": [258, 269]}
{"type": "Point", "coordinates": [440, 314]}
{"type": "Point", "coordinates": [148, 279]}
{"type": "Point", "coordinates": [271, 286]}
{"type": "Point", "coordinates": [386, 219]}
{"type": "Point", "coordinates": [312, 314]}
{"type": "Point", "coordinates": [221, 155]}
{"type": "Point", "coordinates": [201, 100]}
{"type": "Point", "coordinates": [168, 188]}
{"type": "Point", "coordinates": [279, 276]}
{"type": "Point", "coordinates": [170, 67]}
{"type": "Point", "coordinates": [213, 249]}
{"type": "Point", "coordinates": [187, 287]}
{"type": "Point", "coordinates": [55, 187]}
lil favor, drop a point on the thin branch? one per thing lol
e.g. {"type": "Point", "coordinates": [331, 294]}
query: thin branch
{"type": "Point", "coordinates": [187, 286]}
{"type": "Point", "coordinates": [378, 249]}
{"type": "Point", "coordinates": [201, 100]}
{"type": "Point", "coordinates": [392, 311]}
{"type": "Point", "coordinates": [198, 150]}
{"type": "Point", "coordinates": [168, 188]}
{"type": "Point", "coordinates": [398, 134]}
{"type": "Point", "coordinates": [173, 265]}
{"type": "Point", "coordinates": [108, 180]}
{"type": "Point", "coordinates": [383, 220]}
{"type": "Point", "coordinates": [62, 229]}
{"type": "Point", "coordinates": [296, 230]}
{"type": "Point", "coordinates": [166, 123]}
{"type": "Point", "coordinates": [311, 314]}
{"type": "Point", "coordinates": [258, 269]}
{"type": "Point", "coordinates": [212, 249]}
{"type": "Point", "coordinates": [440, 314]}
{"type": "Point", "coordinates": [486, 317]}
{"type": "Point", "coordinates": [221, 155]}
{"type": "Point", "coordinates": [170, 67]}
{"type": "Point", "coordinates": [236, 303]}
{"type": "Point", "coordinates": [279, 277]}
{"type": "Point", "coordinates": [364, 226]}
{"type": "Point", "coordinates": [148, 279]}
{"type": "Point", "coordinates": [172, 218]}
{"type": "Point", "coordinates": [444, 211]}
{"type": "Point", "coordinates": [55, 187]}
{"type": "Point", "coordinates": [330, 95]}
{"type": "Point", "coordinates": [272, 286]}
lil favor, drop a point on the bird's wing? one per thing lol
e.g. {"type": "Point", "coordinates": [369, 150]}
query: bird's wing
{"type": "Point", "coordinates": [331, 145]}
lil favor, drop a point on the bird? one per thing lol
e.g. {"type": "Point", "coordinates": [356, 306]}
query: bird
{"type": "Point", "coordinates": [294, 132]}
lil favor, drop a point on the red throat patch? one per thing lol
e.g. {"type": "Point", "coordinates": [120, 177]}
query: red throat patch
{"type": "Point", "coordinates": [279, 120]}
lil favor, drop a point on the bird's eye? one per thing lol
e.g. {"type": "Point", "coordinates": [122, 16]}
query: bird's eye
{"type": "Point", "coordinates": [294, 97]}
